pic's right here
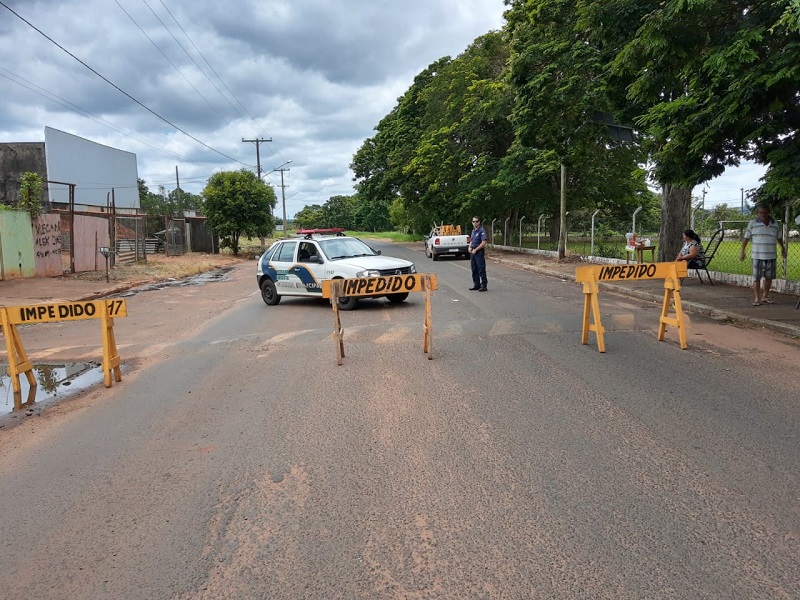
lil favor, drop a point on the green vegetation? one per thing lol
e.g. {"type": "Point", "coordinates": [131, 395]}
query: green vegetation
{"type": "Point", "coordinates": [394, 236]}
{"type": "Point", "coordinates": [349, 212]}
{"type": "Point", "coordinates": [238, 203]}
{"type": "Point", "coordinates": [727, 259]}
{"type": "Point", "coordinates": [487, 132]}
{"type": "Point", "coordinates": [30, 194]}
{"type": "Point", "coordinates": [159, 205]}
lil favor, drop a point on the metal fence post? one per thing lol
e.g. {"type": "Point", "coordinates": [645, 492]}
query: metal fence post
{"type": "Point", "coordinates": [591, 245]}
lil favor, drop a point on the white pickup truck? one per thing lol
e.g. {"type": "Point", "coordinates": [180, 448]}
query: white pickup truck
{"type": "Point", "coordinates": [446, 240]}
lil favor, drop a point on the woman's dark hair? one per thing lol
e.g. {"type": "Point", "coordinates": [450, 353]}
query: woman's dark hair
{"type": "Point", "coordinates": [691, 234]}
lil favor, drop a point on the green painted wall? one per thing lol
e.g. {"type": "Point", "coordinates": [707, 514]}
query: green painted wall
{"type": "Point", "coordinates": [16, 245]}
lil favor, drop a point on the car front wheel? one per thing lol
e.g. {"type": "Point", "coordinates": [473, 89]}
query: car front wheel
{"type": "Point", "coordinates": [347, 302]}
{"type": "Point", "coordinates": [268, 293]}
{"type": "Point", "coordinates": [397, 298]}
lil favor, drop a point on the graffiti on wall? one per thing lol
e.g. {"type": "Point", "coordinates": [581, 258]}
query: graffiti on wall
{"type": "Point", "coordinates": [46, 230]}
{"type": "Point", "coordinates": [47, 238]}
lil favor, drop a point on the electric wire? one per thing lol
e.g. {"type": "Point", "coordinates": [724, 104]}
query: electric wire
{"type": "Point", "coordinates": [210, 66]}
{"type": "Point", "coordinates": [36, 89]}
{"type": "Point", "coordinates": [199, 68]}
{"type": "Point", "coordinates": [169, 60]}
{"type": "Point", "coordinates": [115, 86]}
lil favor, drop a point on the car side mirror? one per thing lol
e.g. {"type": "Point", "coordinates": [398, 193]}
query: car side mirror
{"type": "Point", "coordinates": [317, 259]}
{"type": "Point", "coordinates": [377, 252]}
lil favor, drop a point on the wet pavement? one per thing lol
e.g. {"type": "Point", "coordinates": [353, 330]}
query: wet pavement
{"type": "Point", "coordinates": [38, 290]}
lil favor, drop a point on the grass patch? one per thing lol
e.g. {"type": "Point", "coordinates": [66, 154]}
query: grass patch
{"type": "Point", "coordinates": [727, 260]}
{"type": "Point", "coordinates": [395, 236]}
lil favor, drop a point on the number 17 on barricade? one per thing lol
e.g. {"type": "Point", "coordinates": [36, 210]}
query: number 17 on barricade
{"type": "Point", "coordinates": [104, 310]}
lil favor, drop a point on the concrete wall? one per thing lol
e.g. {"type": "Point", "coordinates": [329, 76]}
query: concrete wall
{"type": "Point", "coordinates": [16, 245]}
{"type": "Point", "coordinates": [47, 245]}
{"type": "Point", "coordinates": [16, 159]}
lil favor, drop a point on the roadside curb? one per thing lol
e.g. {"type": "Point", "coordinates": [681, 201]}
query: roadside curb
{"type": "Point", "coordinates": [688, 305]}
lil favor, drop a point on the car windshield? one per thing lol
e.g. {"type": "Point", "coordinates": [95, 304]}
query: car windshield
{"type": "Point", "coordinates": [345, 248]}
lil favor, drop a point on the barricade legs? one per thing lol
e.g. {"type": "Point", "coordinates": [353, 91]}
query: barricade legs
{"type": "Point", "coordinates": [672, 295]}
{"type": "Point", "coordinates": [111, 359]}
{"type": "Point", "coordinates": [591, 304]}
{"type": "Point", "coordinates": [17, 362]}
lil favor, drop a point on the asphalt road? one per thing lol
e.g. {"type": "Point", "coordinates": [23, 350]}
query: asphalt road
{"type": "Point", "coordinates": [237, 460]}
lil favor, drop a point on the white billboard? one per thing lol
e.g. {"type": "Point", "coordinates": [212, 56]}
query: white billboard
{"type": "Point", "coordinates": [95, 170]}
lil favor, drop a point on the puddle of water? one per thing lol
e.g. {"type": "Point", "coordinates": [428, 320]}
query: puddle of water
{"type": "Point", "coordinates": [53, 383]}
{"type": "Point", "coordinates": [220, 274]}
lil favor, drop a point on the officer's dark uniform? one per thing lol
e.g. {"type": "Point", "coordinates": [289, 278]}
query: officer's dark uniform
{"type": "Point", "coordinates": [477, 259]}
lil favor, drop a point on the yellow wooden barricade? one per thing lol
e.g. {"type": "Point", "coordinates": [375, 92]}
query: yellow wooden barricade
{"type": "Point", "coordinates": [671, 273]}
{"type": "Point", "coordinates": [370, 286]}
{"type": "Point", "coordinates": [18, 362]}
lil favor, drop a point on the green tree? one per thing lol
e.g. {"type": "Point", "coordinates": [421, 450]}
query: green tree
{"type": "Point", "coordinates": [710, 82]}
{"type": "Point", "coordinates": [339, 211]}
{"type": "Point", "coordinates": [372, 215]}
{"type": "Point", "coordinates": [181, 201]}
{"type": "Point", "coordinates": [238, 203]}
{"type": "Point", "coordinates": [30, 194]}
{"type": "Point", "coordinates": [560, 86]}
{"type": "Point", "coordinates": [155, 206]}
{"type": "Point", "coordinates": [721, 212]}
{"type": "Point", "coordinates": [310, 217]}
{"type": "Point", "coordinates": [380, 164]}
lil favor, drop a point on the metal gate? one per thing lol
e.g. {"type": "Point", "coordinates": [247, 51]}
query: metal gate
{"type": "Point", "coordinates": [129, 245]}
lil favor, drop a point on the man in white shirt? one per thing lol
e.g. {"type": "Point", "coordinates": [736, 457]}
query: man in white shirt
{"type": "Point", "coordinates": [766, 237]}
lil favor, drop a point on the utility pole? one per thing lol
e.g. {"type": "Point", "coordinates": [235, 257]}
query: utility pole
{"type": "Point", "coordinates": [258, 142]}
{"type": "Point", "coordinates": [178, 208]}
{"type": "Point", "coordinates": [283, 197]}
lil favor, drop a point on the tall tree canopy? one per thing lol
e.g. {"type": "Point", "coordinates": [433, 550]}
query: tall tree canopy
{"type": "Point", "coordinates": [560, 89]}
{"type": "Point", "coordinates": [706, 83]}
{"type": "Point", "coordinates": [238, 203]}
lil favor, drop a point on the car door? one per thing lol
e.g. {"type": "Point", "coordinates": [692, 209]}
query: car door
{"type": "Point", "coordinates": [309, 269]}
{"type": "Point", "coordinates": [283, 262]}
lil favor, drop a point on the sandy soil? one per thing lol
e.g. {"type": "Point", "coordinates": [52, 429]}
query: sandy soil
{"type": "Point", "coordinates": [160, 267]}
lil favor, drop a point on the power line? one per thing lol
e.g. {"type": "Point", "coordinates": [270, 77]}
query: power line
{"type": "Point", "coordinates": [115, 86]}
{"type": "Point", "coordinates": [199, 68]}
{"type": "Point", "coordinates": [29, 85]}
{"type": "Point", "coordinates": [222, 81]}
{"type": "Point", "coordinates": [258, 142]}
{"type": "Point", "coordinates": [169, 60]}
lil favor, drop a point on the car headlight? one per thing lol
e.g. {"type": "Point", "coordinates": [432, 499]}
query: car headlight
{"type": "Point", "coordinates": [413, 269]}
{"type": "Point", "coordinates": [369, 273]}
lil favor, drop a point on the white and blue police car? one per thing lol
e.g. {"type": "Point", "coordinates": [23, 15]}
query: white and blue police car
{"type": "Point", "coordinates": [297, 266]}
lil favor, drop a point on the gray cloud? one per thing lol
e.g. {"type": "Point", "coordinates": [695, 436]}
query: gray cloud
{"type": "Point", "coordinates": [316, 76]}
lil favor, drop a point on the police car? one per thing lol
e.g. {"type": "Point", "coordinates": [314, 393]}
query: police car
{"type": "Point", "coordinates": [296, 267]}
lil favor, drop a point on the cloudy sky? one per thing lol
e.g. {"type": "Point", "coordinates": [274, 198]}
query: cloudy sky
{"type": "Point", "coordinates": [180, 83]}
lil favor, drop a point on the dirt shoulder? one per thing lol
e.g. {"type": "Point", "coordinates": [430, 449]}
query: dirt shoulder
{"type": "Point", "coordinates": [160, 267]}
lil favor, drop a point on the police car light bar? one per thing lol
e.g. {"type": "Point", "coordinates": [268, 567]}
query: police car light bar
{"type": "Point", "coordinates": [320, 231]}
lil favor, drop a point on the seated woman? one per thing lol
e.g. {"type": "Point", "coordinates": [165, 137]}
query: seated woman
{"type": "Point", "coordinates": [692, 251]}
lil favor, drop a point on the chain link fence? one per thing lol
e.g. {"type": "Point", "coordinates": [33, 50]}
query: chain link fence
{"type": "Point", "coordinates": [597, 236]}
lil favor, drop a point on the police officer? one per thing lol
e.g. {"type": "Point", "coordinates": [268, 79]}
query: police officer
{"type": "Point", "coordinates": [477, 258]}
